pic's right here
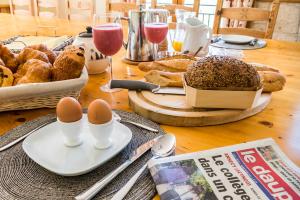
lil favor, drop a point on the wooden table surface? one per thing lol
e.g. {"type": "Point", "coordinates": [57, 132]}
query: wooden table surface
{"type": "Point", "coordinates": [280, 120]}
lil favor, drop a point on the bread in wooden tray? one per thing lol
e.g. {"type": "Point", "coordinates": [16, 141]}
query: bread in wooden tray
{"type": "Point", "coordinates": [222, 73]}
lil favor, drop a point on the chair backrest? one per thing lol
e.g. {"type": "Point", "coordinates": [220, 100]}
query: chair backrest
{"type": "Point", "coordinates": [80, 9]}
{"type": "Point", "coordinates": [177, 4]}
{"type": "Point", "coordinates": [246, 14]}
{"type": "Point", "coordinates": [46, 8]}
{"type": "Point", "coordinates": [122, 6]}
{"type": "Point", "coordinates": [21, 7]}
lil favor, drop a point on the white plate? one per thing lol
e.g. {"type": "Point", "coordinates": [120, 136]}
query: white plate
{"type": "Point", "coordinates": [46, 148]}
{"type": "Point", "coordinates": [237, 39]}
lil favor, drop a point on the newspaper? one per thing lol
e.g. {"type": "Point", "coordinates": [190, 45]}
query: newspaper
{"type": "Point", "coordinates": [254, 170]}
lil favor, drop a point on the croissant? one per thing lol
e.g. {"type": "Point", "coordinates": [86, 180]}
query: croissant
{"type": "Point", "coordinates": [43, 48]}
{"type": "Point", "coordinates": [36, 71]}
{"type": "Point", "coordinates": [8, 58]}
{"type": "Point", "coordinates": [28, 53]}
{"type": "Point", "coordinates": [6, 77]}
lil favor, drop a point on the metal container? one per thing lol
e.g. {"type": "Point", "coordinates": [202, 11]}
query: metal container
{"type": "Point", "coordinates": [138, 48]}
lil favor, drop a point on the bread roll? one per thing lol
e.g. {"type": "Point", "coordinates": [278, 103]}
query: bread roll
{"type": "Point", "coordinates": [222, 73]}
{"type": "Point", "coordinates": [69, 64]}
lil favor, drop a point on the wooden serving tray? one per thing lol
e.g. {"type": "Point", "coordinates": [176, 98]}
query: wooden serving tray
{"type": "Point", "coordinates": [173, 110]}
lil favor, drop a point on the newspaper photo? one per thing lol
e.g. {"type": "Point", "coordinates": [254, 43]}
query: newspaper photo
{"type": "Point", "coordinates": [253, 170]}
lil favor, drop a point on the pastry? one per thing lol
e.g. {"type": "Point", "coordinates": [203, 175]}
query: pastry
{"type": "Point", "coordinates": [43, 48]}
{"type": "Point", "coordinates": [8, 58]}
{"type": "Point", "coordinates": [33, 71]}
{"type": "Point", "coordinates": [222, 73]}
{"type": "Point", "coordinates": [1, 62]}
{"type": "Point", "coordinates": [164, 79]}
{"type": "Point", "coordinates": [173, 65]}
{"type": "Point", "coordinates": [69, 64]}
{"type": "Point", "coordinates": [28, 53]}
{"type": "Point", "coordinates": [272, 81]}
{"type": "Point", "coordinates": [6, 77]}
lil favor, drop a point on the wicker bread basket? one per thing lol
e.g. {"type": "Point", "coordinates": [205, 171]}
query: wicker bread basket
{"type": "Point", "coordinates": [40, 95]}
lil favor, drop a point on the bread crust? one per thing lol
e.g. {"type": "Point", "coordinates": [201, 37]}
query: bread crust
{"type": "Point", "coordinates": [69, 64]}
{"type": "Point", "coordinates": [164, 79]}
{"type": "Point", "coordinates": [43, 48]}
{"type": "Point", "coordinates": [8, 58]}
{"type": "Point", "coordinates": [222, 73]}
{"type": "Point", "coordinates": [6, 77]}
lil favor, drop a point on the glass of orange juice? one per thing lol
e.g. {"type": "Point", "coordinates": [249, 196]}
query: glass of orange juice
{"type": "Point", "coordinates": [178, 37]}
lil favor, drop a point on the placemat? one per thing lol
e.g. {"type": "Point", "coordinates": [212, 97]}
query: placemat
{"type": "Point", "coordinates": [22, 178]}
{"type": "Point", "coordinates": [59, 47]}
{"type": "Point", "coordinates": [221, 44]}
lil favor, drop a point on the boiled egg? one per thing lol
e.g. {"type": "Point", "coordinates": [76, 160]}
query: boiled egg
{"type": "Point", "coordinates": [99, 112]}
{"type": "Point", "coordinates": [68, 110]}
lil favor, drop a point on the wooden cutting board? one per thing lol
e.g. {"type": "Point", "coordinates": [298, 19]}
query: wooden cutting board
{"type": "Point", "coordinates": [173, 110]}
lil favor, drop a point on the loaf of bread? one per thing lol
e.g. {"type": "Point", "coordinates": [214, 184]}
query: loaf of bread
{"type": "Point", "coordinates": [222, 73]}
{"type": "Point", "coordinates": [171, 65]}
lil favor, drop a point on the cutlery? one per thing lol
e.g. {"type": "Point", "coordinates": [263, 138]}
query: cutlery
{"type": "Point", "coordinates": [253, 42]}
{"type": "Point", "coordinates": [119, 119]}
{"type": "Point", "coordinates": [141, 85]}
{"type": "Point", "coordinates": [25, 136]}
{"type": "Point", "coordinates": [164, 147]}
{"type": "Point", "coordinates": [198, 51]}
{"type": "Point", "coordinates": [94, 189]}
{"type": "Point", "coordinates": [217, 39]}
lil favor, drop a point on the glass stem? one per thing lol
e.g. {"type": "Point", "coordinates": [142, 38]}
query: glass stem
{"type": "Point", "coordinates": [110, 67]}
{"type": "Point", "coordinates": [155, 50]}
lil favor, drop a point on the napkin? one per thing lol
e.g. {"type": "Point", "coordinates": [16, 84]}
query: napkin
{"type": "Point", "coordinates": [50, 42]}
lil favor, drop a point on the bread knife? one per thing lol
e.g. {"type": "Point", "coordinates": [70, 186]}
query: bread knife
{"type": "Point", "coordinates": [141, 85]}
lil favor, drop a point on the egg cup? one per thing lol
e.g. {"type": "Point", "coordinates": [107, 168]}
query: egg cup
{"type": "Point", "coordinates": [71, 132]}
{"type": "Point", "coordinates": [102, 134]}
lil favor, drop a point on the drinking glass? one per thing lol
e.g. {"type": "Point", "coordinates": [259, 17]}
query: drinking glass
{"type": "Point", "coordinates": [156, 27]}
{"type": "Point", "coordinates": [179, 34]}
{"type": "Point", "coordinates": [108, 39]}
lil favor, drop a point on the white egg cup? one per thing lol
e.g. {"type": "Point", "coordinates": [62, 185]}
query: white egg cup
{"type": "Point", "coordinates": [102, 134]}
{"type": "Point", "coordinates": [71, 132]}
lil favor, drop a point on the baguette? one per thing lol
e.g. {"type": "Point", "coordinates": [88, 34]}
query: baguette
{"type": "Point", "coordinates": [164, 79]}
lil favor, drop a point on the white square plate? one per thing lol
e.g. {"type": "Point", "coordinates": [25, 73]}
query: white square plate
{"type": "Point", "coordinates": [46, 148]}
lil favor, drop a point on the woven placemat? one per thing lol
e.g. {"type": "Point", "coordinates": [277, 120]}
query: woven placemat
{"type": "Point", "coordinates": [22, 178]}
{"type": "Point", "coordinates": [222, 44]}
{"type": "Point", "coordinates": [59, 47]}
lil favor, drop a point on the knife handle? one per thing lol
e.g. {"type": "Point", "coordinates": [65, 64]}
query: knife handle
{"type": "Point", "coordinates": [94, 189]}
{"type": "Point", "coordinates": [133, 85]}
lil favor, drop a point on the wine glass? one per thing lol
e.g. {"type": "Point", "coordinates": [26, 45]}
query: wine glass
{"type": "Point", "coordinates": [108, 39]}
{"type": "Point", "coordinates": [156, 27]}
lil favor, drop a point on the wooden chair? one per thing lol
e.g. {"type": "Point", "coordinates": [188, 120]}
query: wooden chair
{"type": "Point", "coordinates": [246, 14]}
{"type": "Point", "coordinates": [80, 9]}
{"type": "Point", "coordinates": [46, 8]}
{"type": "Point", "coordinates": [122, 6]}
{"type": "Point", "coordinates": [46, 11]}
{"type": "Point", "coordinates": [177, 4]}
{"type": "Point", "coordinates": [21, 7]}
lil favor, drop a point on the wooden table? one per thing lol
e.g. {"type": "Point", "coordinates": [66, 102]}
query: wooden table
{"type": "Point", "coordinates": [280, 120]}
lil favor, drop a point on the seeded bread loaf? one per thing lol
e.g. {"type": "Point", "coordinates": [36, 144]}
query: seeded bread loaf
{"type": "Point", "coordinates": [222, 73]}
